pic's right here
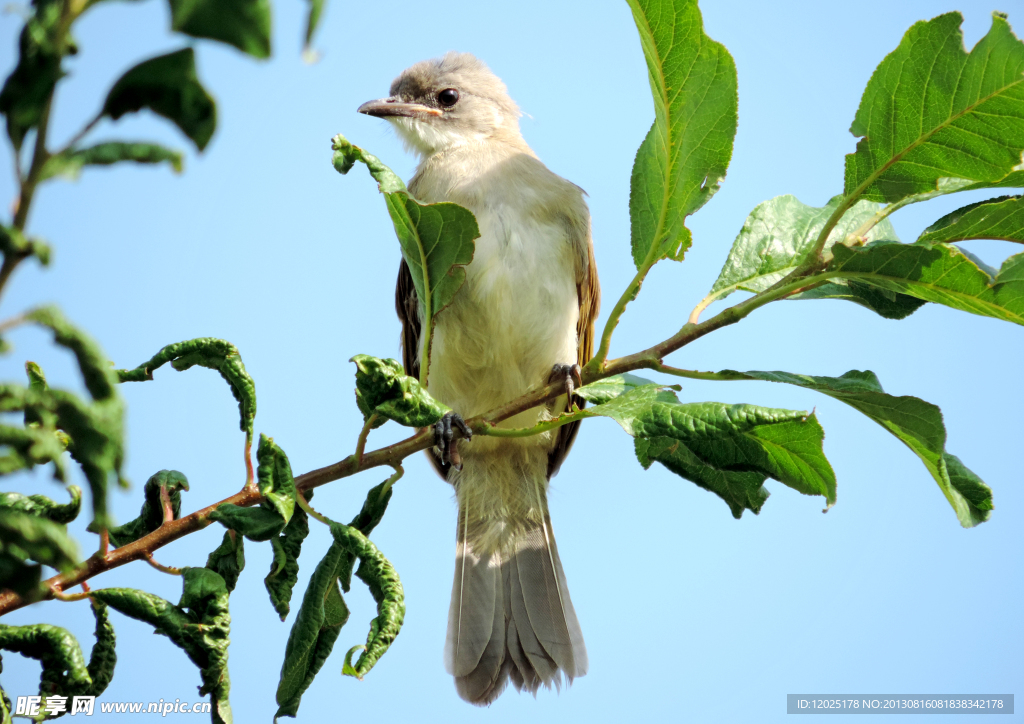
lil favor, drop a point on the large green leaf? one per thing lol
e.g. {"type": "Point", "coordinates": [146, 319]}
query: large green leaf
{"type": "Point", "coordinates": [167, 85]}
{"type": "Point", "coordinates": [916, 423]}
{"type": "Point", "coordinates": [942, 273]}
{"type": "Point", "coordinates": [779, 232]}
{"type": "Point", "coordinates": [682, 161]}
{"type": "Point", "coordinates": [609, 388]}
{"type": "Point", "coordinates": [436, 239]}
{"type": "Point", "coordinates": [1001, 218]}
{"type": "Point", "coordinates": [70, 163]}
{"type": "Point", "coordinates": [727, 449]}
{"type": "Point", "coordinates": [244, 24]}
{"type": "Point", "coordinates": [931, 111]}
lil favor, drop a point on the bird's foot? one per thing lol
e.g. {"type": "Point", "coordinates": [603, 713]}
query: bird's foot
{"type": "Point", "coordinates": [570, 376]}
{"type": "Point", "coordinates": [444, 438]}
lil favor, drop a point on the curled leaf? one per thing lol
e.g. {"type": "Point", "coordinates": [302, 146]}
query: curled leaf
{"type": "Point", "coordinates": [214, 354]}
{"type": "Point", "coordinates": [382, 387]}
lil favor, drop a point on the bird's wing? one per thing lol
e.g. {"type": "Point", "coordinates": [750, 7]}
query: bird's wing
{"type": "Point", "coordinates": [407, 306]}
{"type": "Point", "coordinates": [588, 291]}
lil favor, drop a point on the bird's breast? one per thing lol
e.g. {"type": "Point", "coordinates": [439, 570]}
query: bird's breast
{"type": "Point", "coordinates": [516, 315]}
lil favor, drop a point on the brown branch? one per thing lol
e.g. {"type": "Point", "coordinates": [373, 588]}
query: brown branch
{"type": "Point", "coordinates": [393, 455]}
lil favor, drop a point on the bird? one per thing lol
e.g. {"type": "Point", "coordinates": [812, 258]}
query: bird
{"type": "Point", "coordinates": [524, 317]}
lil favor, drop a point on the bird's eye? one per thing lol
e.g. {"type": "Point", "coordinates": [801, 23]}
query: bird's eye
{"type": "Point", "coordinates": [448, 97]}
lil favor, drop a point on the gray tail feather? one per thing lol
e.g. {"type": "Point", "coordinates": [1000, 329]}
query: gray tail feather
{"type": "Point", "coordinates": [511, 617]}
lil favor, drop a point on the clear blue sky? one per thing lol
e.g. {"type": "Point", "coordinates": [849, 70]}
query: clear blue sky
{"type": "Point", "coordinates": [688, 614]}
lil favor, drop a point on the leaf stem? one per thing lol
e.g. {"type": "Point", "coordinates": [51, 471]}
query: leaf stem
{"type": "Point", "coordinates": [363, 434]}
{"type": "Point", "coordinates": [304, 504]}
{"type": "Point", "coordinates": [689, 374]}
{"type": "Point", "coordinates": [170, 570]}
{"type": "Point", "coordinates": [596, 363]}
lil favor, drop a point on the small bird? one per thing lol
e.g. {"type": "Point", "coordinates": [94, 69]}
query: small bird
{"type": "Point", "coordinates": [525, 316]}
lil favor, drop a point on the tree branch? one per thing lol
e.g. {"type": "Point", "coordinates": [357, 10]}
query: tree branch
{"type": "Point", "coordinates": [393, 455]}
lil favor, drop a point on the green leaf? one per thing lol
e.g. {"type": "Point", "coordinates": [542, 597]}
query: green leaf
{"type": "Point", "coordinates": [323, 610]}
{"type": "Point", "coordinates": [96, 370]}
{"type": "Point", "coordinates": [931, 111]}
{"type": "Point", "coordinates": [277, 487]}
{"type": "Point", "coordinates": [316, 9]}
{"type": "Point", "coordinates": [284, 570]}
{"type": "Point", "coordinates": [257, 524]}
{"type": "Point", "coordinates": [1001, 218]}
{"type": "Point", "coordinates": [56, 649]}
{"type": "Point", "coordinates": [70, 163]}
{"type": "Point", "coordinates": [42, 507]}
{"type": "Point", "coordinates": [916, 423]}
{"type": "Point", "coordinates": [29, 537]}
{"type": "Point", "coordinates": [727, 449]}
{"type": "Point", "coordinates": [228, 559]}
{"type": "Point", "coordinates": [436, 239]}
{"type": "Point", "coordinates": [779, 232]}
{"type": "Point", "coordinates": [93, 436]}
{"type": "Point", "coordinates": [168, 86]}
{"type": "Point", "coordinates": [942, 274]}
{"type": "Point", "coordinates": [609, 388]}
{"type": "Point", "coordinates": [316, 628]}
{"type": "Point", "coordinates": [380, 576]}
{"type": "Point", "coordinates": [14, 244]}
{"type": "Point", "coordinates": [683, 159]}
{"type": "Point", "coordinates": [199, 625]}
{"type": "Point", "coordinates": [244, 24]}
{"type": "Point", "coordinates": [103, 658]}
{"type": "Point", "coordinates": [382, 387]}
{"type": "Point", "coordinates": [25, 92]}
{"type": "Point", "coordinates": [368, 518]}
{"type": "Point", "coordinates": [26, 447]}
{"type": "Point", "coordinates": [214, 354]}
{"type": "Point", "coordinates": [887, 304]}
{"type": "Point", "coordinates": [151, 516]}
{"type": "Point", "coordinates": [65, 672]}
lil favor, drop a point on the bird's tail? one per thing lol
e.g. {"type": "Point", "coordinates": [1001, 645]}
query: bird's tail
{"type": "Point", "coordinates": [510, 615]}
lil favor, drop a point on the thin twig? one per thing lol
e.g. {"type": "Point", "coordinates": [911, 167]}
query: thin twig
{"type": "Point", "coordinates": [363, 434]}
{"type": "Point", "coordinates": [170, 570]}
{"type": "Point", "coordinates": [304, 504]}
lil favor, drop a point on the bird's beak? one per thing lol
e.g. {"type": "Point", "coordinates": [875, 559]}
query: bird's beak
{"type": "Point", "coordinates": [390, 107]}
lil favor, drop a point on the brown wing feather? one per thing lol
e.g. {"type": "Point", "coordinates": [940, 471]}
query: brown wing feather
{"type": "Point", "coordinates": [407, 307]}
{"type": "Point", "coordinates": [588, 292]}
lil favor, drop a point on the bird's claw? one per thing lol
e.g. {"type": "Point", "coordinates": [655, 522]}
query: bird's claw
{"type": "Point", "coordinates": [571, 375]}
{"type": "Point", "coordinates": [444, 438]}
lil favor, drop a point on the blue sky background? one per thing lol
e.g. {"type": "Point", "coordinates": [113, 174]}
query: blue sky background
{"type": "Point", "coordinates": [688, 614]}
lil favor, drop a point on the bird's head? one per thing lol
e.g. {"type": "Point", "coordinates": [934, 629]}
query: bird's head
{"type": "Point", "coordinates": [445, 102]}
